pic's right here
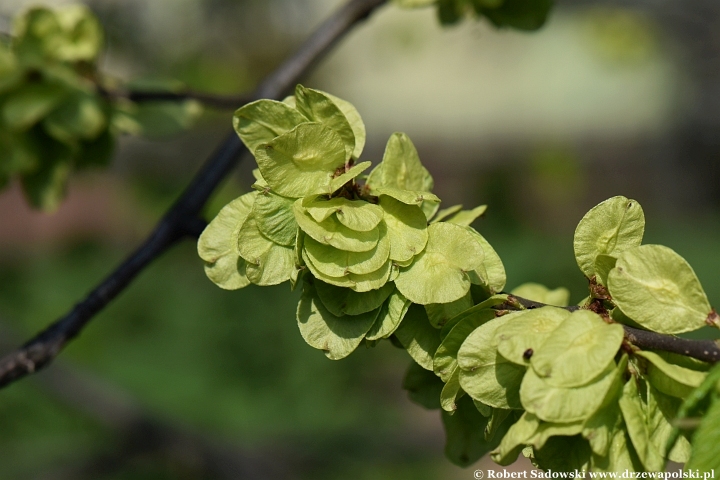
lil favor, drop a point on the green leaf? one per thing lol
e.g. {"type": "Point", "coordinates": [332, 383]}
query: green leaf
{"type": "Point", "coordinates": [333, 262]}
{"type": "Point", "coordinates": [357, 282]}
{"type": "Point", "coordinates": [486, 375]}
{"type": "Point", "coordinates": [79, 116]}
{"type": "Point", "coordinates": [267, 263]}
{"type": "Point", "coordinates": [302, 161]}
{"type": "Point", "coordinates": [418, 337]}
{"type": "Point", "coordinates": [451, 392]}
{"type": "Point", "coordinates": [355, 121]}
{"type": "Point", "coordinates": [560, 297]}
{"type": "Point", "coordinates": [498, 424]}
{"type": "Point", "coordinates": [465, 442]}
{"type": "Point", "coordinates": [440, 313]}
{"type": "Point", "coordinates": [391, 314]}
{"type": "Point", "coordinates": [661, 410]}
{"type": "Point", "coordinates": [275, 266]}
{"type": "Point", "coordinates": [445, 360]}
{"type": "Point", "coordinates": [657, 288]}
{"type": "Point", "coordinates": [83, 34]}
{"type": "Point", "coordinates": [438, 274]}
{"type": "Point", "coordinates": [520, 14]}
{"type": "Point", "coordinates": [696, 401]}
{"type": "Point", "coordinates": [485, 304]}
{"type": "Point", "coordinates": [673, 374]}
{"type": "Point", "coordinates": [262, 121]}
{"type": "Point", "coordinates": [429, 208]}
{"type": "Point", "coordinates": [163, 119]}
{"type": "Point", "coordinates": [337, 182]}
{"type": "Point", "coordinates": [603, 265]}
{"type": "Point", "coordinates": [408, 197]}
{"type": "Point", "coordinates": [37, 35]}
{"type": "Point", "coordinates": [563, 454]}
{"type": "Point", "coordinates": [423, 387]}
{"type": "Point", "coordinates": [31, 103]}
{"type": "Point", "coordinates": [319, 107]}
{"type": "Point", "coordinates": [401, 168]}
{"type": "Point", "coordinates": [466, 217]}
{"type": "Point", "coordinates": [331, 232]}
{"type": "Point", "coordinates": [445, 213]}
{"type": "Point", "coordinates": [705, 441]}
{"type": "Point", "coordinates": [564, 404]}
{"type": "Point", "coordinates": [343, 301]}
{"type": "Point", "coordinates": [515, 439]}
{"type": "Point", "coordinates": [491, 273]}
{"type": "Point", "coordinates": [546, 431]}
{"type": "Point", "coordinates": [519, 340]}
{"type": "Point", "coordinates": [45, 187]}
{"type": "Point", "coordinates": [275, 218]}
{"type": "Point", "coordinates": [337, 336]}
{"type": "Point", "coordinates": [355, 214]}
{"type": "Point", "coordinates": [599, 430]}
{"type": "Point", "coordinates": [635, 413]}
{"type": "Point", "coordinates": [578, 351]}
{"type": "Point", "coordinates": [217, 245]}
{"type": "Point", "coordinates": [407, 229]}
{"type": "Point", "coordinates": [610, 228]}
{"type": "Point", "coordinates": [621, 455]}
{"type": "Point", "coordinates": [251, 243]}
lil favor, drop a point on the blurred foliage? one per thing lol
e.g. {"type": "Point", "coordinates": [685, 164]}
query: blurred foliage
{"type": "Point", "coordinates": [518, 14]}
{"type": "Point", "coordinates": [621, 36]}
{"type": "Point", "coordinates": [52, 120]}
{"type": "Point", "coordinates": [56, 116]}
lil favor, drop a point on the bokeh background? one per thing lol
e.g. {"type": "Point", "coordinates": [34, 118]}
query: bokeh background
{"type": "Point", "coordinates": [178, 379]}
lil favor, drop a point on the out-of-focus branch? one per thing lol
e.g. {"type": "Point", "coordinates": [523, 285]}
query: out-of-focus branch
{"type": "Point", "coordinates": [181, 220]}
{"type": "Point", "coordinates": [227, 102]}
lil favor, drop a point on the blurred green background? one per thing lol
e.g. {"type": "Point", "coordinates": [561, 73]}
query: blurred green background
{"type": "Point", "coordinates": [178, 379]}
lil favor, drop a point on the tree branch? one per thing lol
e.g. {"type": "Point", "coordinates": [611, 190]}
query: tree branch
{"type": "Point", "coordinates": [705, 350]}
{"type": "Point", "coordinates": [227, 102]}
{"type": "Point", "coordinates": [182, 220]}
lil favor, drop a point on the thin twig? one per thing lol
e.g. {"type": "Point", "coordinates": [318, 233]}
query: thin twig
{"type": "Point", "coordinates": [224, 102]}
{"type": "Point", "coordinates": [181, 220]}
{"type": "Point", "coordinates": [705, 350]}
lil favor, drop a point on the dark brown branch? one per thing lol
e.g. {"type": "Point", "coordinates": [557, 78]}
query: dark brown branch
{"type": "Point", "coordinates": [705, 350]}
{"type": "Point", "coordinates": [182, 219]}
{"type": "Point", "coordinates": [229, 102]}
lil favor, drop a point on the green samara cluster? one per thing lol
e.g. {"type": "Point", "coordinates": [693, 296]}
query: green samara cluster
{"type": "Point", "coordinates": [518, 14]}
{"type": "Point", "coordinates": [52, 120]}
{"type": "Point", "coordinates": [563, 385]}
{"type": "Point", "coordinates": [363, 252]}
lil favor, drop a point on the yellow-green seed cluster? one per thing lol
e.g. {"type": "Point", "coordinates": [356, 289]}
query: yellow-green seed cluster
{"type": "Point", "coordinates": [365, 251]}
